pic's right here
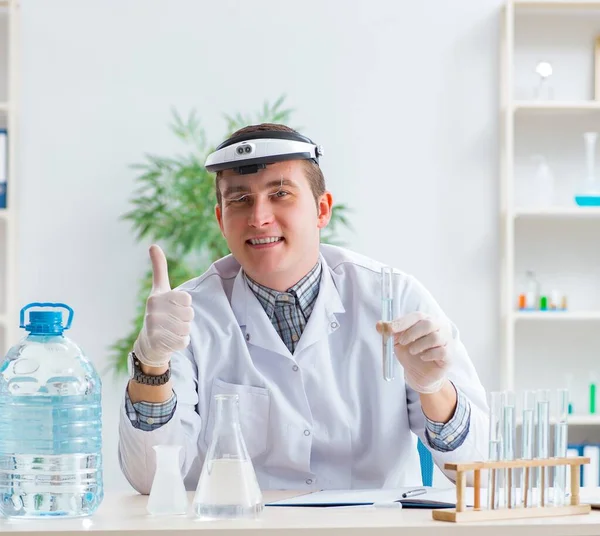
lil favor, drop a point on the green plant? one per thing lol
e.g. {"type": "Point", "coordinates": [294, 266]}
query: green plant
{"type": "Point", "coordinates": [174, 205]}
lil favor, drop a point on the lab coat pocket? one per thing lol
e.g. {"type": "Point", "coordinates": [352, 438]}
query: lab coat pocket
{"type": "Point", "coordinates": [254, 404]}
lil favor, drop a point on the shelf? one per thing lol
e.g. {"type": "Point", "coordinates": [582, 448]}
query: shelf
{"type": "Point", "coordinates": [3, 106]}
{"type": "Point", "coordinates": [586, 4]}
{"type": "Point", "coordinates": [556, 316]}
{"type": "Point", "coordinates": [574, 212]}
{"type": "Point", "coordinates": [584, 420]}
{"type": "Point", "coordinates": [4, 214]}
{"type": "Point", "coordinates": [556, 106]}
{"type": "Point", "coordinates": [575, 420]}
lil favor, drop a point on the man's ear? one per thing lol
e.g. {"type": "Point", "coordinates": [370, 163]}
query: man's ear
{"type": "Point", "coordinates": [324, 207]}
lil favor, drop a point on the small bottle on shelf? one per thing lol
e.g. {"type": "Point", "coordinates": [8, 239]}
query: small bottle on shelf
{"type": "Point", "coordinates": [529, 300]}
{"type": "Point", "coordinates": [592, 394]}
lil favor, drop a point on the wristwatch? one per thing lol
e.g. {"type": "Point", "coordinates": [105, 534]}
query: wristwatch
{"type": "Point", "coordinates": [138, 375]}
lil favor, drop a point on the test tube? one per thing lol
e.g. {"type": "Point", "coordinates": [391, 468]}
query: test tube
{"type": "Point", "coordinates": [543, 439]}
{"type": "Point", "coordinates": [527, 444]}
{"type": "Point", "coordinates": [387, 315]}
{"type": "Point", "coordinates": [495, 448]}
{"type": "Point", "coordinates": [508, 444]}
{"type": "Point", "coordinates": [560, 446]}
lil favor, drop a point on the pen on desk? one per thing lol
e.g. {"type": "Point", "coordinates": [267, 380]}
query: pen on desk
{"type": "Point", "coordinates": [414, 492]}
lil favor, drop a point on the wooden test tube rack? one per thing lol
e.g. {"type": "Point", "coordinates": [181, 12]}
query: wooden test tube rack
{"type": "Point", "coordinates": [476, 513]}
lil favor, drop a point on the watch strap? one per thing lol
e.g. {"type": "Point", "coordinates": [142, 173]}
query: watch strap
{"type": "Point", "coordinates": [139, 376]}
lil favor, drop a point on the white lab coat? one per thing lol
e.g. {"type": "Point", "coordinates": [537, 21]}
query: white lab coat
{"type": "Point", "coordinates": [321, 418]}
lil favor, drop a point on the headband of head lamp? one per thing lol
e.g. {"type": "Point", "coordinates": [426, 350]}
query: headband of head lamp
{"type": "Point", "coordinates": [248, 153]}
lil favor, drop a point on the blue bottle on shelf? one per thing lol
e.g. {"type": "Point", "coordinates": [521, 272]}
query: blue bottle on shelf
{"type": "Point", "coordinates": [50, 423]}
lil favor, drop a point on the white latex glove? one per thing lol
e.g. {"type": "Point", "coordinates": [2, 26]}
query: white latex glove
{"type": "Point", "coordinates": [423, 348]}
{"type": "Point", "coordinates": [168, 317]}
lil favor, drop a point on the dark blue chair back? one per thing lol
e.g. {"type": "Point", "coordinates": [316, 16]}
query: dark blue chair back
{"type": "Point", "coordinates": [426, 464]}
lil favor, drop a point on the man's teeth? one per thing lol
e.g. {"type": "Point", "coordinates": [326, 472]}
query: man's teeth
{"type": "Point", "coordinates": [255, 241]}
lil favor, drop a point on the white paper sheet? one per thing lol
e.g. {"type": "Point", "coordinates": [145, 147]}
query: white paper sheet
{"type": "Point", "coordinates": [366, 496]}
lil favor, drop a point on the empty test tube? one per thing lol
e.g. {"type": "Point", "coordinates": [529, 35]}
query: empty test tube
{"type": "Point", "coordinates": [543, 440]}
{"type": "Point", "coordinates": [527, 444]}
{"type": "Point", "coordinates": [560, 446]}
{"type": "Point", "coordinates": [508, 447]}
{"type": "Point", "coordinates": [387, 315]}
{"type": "Point", "coordinates": [495, 448]}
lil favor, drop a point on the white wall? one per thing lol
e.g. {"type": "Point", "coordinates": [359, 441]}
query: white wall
{"type": "Point", "coordinates": [402, 94]}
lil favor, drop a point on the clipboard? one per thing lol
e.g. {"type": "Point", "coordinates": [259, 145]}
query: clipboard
{"type": "Point", "coordinates": [432, 498]}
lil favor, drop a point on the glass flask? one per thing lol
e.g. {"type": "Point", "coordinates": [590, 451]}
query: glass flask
{"type": "Point", "coordinates": [543, 90]}
{"type": "Point", "coordinates": [543, 183]}
{"type": "Point", "coordinates": [228, 488]}
{"type": "Point", "coordinates": [590, 193]}
{"type": "Point", "coordinates": [168, 495]}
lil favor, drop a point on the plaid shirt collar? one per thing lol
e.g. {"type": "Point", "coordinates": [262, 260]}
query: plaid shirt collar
{"type": "Point", "coordinates": [303, 294]}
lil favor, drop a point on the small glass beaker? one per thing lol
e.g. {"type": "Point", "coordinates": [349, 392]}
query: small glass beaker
{"type": "Point", "coordinates": [227, 488]}
{"type": "Point", "coordinates": [168, 495]}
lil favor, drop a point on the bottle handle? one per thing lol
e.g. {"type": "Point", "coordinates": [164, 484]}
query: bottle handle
{"type": "Point", "coordinates": [45, 304]}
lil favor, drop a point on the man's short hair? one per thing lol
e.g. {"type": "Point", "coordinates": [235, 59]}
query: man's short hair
{"type": "Point", "coordinates": [314, 174]}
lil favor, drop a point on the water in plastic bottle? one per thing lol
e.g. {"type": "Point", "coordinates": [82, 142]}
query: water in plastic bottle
{"type": "Point", "coordinates": [50, 423]}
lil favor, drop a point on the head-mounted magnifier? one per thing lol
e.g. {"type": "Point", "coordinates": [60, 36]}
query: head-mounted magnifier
{"type": "Point", "coordinates": [248, 153]}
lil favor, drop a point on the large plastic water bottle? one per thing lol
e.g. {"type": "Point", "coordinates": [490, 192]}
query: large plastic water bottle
{"type": "Point", "coordinates": [50, 423]}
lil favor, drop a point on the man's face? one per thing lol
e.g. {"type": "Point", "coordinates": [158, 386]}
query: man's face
{"type": "Point", "coordinates": [271, 222]}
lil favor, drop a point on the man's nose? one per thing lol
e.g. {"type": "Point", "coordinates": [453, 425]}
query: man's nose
{"type": "Point", "coordinates": [261, 213]}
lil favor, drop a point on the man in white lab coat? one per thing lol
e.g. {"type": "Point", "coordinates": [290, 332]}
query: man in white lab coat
{"type": "Point", "coordinates": [293, 327]}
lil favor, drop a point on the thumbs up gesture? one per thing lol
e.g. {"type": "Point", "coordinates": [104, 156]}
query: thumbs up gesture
{"type": "Point", "coordinates": [168, 317]}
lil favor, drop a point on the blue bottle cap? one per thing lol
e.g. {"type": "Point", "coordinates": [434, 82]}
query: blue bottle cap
{"type": "Point", "coordinates": [45, 322]}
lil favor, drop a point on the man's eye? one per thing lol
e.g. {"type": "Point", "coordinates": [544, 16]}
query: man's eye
{"type": "Point", "coordinates": [239, 200]}
{"type": "Point", "coordinates": [280, 193]}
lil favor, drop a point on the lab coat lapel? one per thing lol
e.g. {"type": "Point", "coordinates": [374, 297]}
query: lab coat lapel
{"type": "Point", "coordinates": [323, 320]}
{"type": "Point", "coordinates": [250, 314]}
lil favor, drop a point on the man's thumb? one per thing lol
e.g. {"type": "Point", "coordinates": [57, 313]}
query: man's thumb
{"type": "Point", "coordinates": [160, 271]}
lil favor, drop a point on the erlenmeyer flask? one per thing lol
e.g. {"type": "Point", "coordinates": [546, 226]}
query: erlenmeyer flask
{"type": "Point", "coordinates": [168, 495]}
{"type": "Point", "coordinates": [227, 488]}
{"type": "Point", "coordinates": [590, 193]}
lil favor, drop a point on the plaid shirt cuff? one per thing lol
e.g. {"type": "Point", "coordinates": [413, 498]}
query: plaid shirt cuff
{"type": "Point", "coordinates": [148, 416]}
{"type": "Point", "coordinates": [445, 437]}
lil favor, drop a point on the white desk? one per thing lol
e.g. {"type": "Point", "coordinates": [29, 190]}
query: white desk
{"type": "Point", "coordinates": [125, 515]}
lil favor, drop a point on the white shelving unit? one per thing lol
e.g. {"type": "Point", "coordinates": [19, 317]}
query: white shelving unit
{"type": "Point", "coordinates": [558, 212]}
{"type": "Point", "coordinates": [575, 4]}
{"type": "Point", "coordinates": [9, 12]}
{"type": "Point", "coordinates": [555, 106]}
{"type": "Point", "coordinates": [539, 114]}
{"type": "Point", "coordinates": [584, 420]}
{"type": "Point", "coordinates": [544, 316]}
